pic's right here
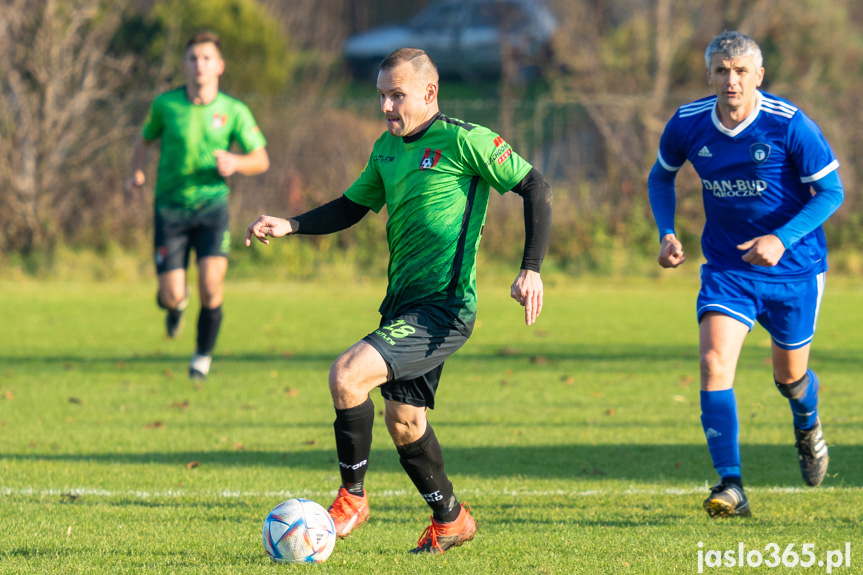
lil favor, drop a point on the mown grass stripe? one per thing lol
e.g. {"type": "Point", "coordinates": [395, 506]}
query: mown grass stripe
{"type": "Point", "coordinates": [234, 494]}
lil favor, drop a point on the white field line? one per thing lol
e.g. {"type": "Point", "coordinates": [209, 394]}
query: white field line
{"type": "Point", "coordinates": [309, 494]}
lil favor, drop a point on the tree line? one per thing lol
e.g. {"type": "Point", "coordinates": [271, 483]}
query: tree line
{"type": "Point", "coordinates": [77, 76]}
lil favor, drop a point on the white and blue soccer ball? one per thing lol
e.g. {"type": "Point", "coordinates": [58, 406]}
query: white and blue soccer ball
{"type": "Point", "coordinates": [299, 531]}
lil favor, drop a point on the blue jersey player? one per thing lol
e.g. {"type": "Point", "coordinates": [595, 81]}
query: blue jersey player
{"type": "Point", "coordinates": [769, 181]}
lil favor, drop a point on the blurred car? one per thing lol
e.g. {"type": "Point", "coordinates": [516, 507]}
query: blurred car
{"type": "Point", "coordinates": [467, 38]}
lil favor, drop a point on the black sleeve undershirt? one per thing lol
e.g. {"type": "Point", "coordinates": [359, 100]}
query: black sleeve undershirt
{"type": "Point", "coordinates": [333, 216]}
{"type": "Point", "coordinates": [536, 193]}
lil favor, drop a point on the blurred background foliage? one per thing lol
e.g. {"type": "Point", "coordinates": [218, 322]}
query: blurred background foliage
{"type": "Point", "coordinates": [77, 77]}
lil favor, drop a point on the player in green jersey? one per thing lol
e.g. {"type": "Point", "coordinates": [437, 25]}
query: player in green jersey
{"type": "Point", "coordinates": [196, 125]}
{"type": "Point", "coordinates": [433, 173]}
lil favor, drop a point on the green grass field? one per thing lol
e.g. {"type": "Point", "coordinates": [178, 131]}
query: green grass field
{"type": "Point", "coordinates": [577, 442]}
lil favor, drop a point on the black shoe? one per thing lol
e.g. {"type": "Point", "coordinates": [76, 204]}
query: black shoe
{"type": "Point", "coordinates": [812, 453]}
{"type": "Point", "coordinates": [173, 323]}
{"type": "Point", "coordinates": [727, 500]}
{"type": "Point", "coordinates": [173, 317]}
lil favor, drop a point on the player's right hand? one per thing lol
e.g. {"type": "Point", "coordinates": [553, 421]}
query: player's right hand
{"type": "Point", "coordinates": [132, 186]}
{"type": "Point", "coordinates": [671, 252]}
{"type": "Point", "coordinates": [268, 226]}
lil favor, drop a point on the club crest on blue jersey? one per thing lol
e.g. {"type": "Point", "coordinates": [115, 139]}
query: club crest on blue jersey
{"type": "Point", "coordinates": [430, 159]}
{"type": "Point", "coordinates": [759, 153]}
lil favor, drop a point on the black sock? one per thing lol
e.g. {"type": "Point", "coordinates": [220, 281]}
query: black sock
{"type": "Point", "coordinates": [423, 461]}
{"type": "Point", "coordinates": [209, 321]}
{"type": "Point", "coordinates": [353, 428]}
{"type": "Point", "coordinates": [738, 481]}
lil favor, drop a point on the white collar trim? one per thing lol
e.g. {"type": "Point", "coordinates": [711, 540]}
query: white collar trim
{"type": "Point", "coordinates": [742, 125]}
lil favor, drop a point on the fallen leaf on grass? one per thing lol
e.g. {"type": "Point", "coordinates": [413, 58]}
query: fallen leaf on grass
{"type": "Point", "coordinates": [8, 395]}
{"type": "Point", "coordinates": [180, 405]}
{"type": "Point", "coordinates": [311, 442]}
{"type": "Point", "coordinates": [291, 392]}
{"type": "Point", "coordinates": [192, 465]}
{"type": "Point", "coordinates": [154, 425]}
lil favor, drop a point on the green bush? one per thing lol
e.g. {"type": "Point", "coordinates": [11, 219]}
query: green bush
{"type": "Point", "coordinates": [257, 54]}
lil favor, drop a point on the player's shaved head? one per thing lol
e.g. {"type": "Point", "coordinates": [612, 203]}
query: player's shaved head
{"type": "Point", "coordinates": [733, 45]}
{"type": "Point", "coordinates": [421, 62]}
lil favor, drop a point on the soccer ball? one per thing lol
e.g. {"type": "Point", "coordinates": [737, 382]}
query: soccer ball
{"type": "Point", "coordinates": [299, 531]}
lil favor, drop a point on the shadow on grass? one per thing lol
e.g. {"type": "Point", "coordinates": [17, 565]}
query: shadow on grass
{"type": "Point", "coordinates": [763, 464]}
{"type": "Point", "coordinates": [547, 352]}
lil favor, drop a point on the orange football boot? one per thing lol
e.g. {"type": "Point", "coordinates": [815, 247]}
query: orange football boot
{"type": "Point", "coordinates": [348, 512]}
{"type": "Point", "coordinates": [438, 537]}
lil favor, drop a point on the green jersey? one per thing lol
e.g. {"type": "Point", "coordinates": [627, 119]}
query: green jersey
{"type": "Point", "coordinates": [190, 133]}
{"type": "Point", "coordinates": [435, 186]}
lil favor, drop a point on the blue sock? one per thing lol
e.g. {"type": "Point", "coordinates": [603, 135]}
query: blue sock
{"type": "Point", "coordinates": [805, 407]}
{"type": "Point", "coordinates": [719, 420]}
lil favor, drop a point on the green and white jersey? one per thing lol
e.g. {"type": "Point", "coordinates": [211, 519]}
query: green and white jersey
{"type": "Point", "coordinates": [190, 133]}
{"type": "Point", "coordinates": [435, 186]}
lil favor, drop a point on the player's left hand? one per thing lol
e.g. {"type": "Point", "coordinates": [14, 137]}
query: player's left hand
{"type": "Point", "coordinates": [763, 251]}
{"type": "Point", "coordinates": [226, 163]}
{"type": "Point", "coordinates": [527, 290]}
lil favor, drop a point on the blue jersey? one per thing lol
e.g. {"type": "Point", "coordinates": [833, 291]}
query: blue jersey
{"type": "Point", "coordinates": [755, 178]}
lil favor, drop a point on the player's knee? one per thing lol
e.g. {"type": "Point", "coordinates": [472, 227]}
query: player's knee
{"type": "Point", "coordinates": [345, 385]}
{"type": "Point", "coordinates": [714, 365]}
{"type": "Point", "coordinates": [403, 430]}
{"type": "Point", "coordinates": [339, 381]}
{"type": "Point", "coordinates": [211, 300]}
{"type": "Point", "coordinates": [171, 298]}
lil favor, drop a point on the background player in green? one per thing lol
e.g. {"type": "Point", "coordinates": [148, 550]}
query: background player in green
{"type": "Point", "coordinates": [196, 125]}
{"type": "Point", "coordinates": [433, 173]}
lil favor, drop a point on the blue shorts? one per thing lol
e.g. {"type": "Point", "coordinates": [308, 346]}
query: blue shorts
{"type": "Point", "coordinates": [787, 310]}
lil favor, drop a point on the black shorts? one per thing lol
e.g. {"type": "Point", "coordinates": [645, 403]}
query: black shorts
{"type": "Point", "coordinates": [178, 230]}
{"type": "Point", "coordinates": [415, 345]}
